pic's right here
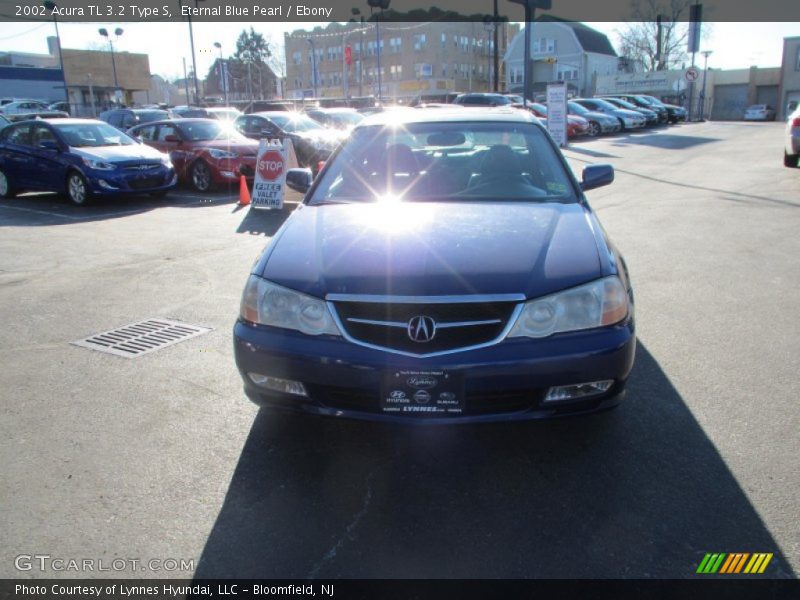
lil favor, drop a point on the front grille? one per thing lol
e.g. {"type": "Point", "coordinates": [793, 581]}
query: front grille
{"type": "Point", "coordinates": [457, 325]}
{"type": "Point", "coordinates": [146, 182]}
{"type": "Point", "coordinates": [141, 166]}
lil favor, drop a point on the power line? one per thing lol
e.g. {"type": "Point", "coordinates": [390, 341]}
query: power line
{"type": "Point", "coordinates": [8, 37]}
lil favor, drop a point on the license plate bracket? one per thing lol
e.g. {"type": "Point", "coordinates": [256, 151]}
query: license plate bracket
{"type": "Point", "coordinates": [422, 393]}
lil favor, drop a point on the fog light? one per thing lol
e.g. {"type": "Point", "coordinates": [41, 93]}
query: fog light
{"type": "Point", "coordinates": [578, 390]}
{"type": "Point", "coordinates": [286, 386]}
{"type": "Point", "coordinates": [103, 183]}
{"type": "Point", "coordinates": [228, 174]}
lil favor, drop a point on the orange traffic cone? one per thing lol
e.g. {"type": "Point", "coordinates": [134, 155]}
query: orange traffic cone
{"type": "Point", "coordinates": [244, 192]}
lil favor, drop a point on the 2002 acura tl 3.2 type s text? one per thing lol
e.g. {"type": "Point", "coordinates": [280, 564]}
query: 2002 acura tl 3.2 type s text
{"type": "Point", "coordinates": [444, 267]}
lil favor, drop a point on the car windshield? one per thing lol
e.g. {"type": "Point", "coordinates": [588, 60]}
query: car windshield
{"type": "Point", "coordinates": [83, 135]}
{"type": "Point", "coordinates": [653, 100]}
{"type": "Point", "coordinates": [147, 116]}
{"type": "Point", "coordinates": [203, 131]}
{"type": "Point", "coordinates": [577, 108]}
{"type": "Point", "coordinates": [605, 104]}
{"type": "Point", "coordinates": [294, 123]}
{"type": "Point", "coordinates": [466, 161]}
{"type": "Point", "coordinates": [623, 103]}
{"type": "Point", "coordinates": [344, 119]}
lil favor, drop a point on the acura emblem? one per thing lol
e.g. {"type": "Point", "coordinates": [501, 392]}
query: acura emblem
{"type": "Point", "coordinates": [421, 329]}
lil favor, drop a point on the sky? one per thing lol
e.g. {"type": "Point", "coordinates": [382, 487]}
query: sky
{"type": "Point", "coordinates": [734, 45]}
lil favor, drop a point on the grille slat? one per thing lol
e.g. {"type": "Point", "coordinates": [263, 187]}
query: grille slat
{"type": "Point", "coordinates": [458, 325]}
{"type": "Point", "coordinates": [141, 338]}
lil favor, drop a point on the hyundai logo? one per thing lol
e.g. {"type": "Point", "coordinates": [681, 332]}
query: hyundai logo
{"type": "Point", "coordinates": [421, 329]}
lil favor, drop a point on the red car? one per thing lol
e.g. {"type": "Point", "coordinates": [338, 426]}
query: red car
{"type": "Point", "coordinates": [205, 152]}
{"type": "Point", "coordinates": [576, 126]}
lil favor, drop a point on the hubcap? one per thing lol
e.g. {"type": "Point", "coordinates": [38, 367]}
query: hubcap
{"type": "Point", "coordinates": [77, 190]}
{"type": "Point", "coordinates": [595, 129]}
{"type": "Point", "coordinates": [3, 184]}
{"type": "Point", "coordinates": [201, 177]}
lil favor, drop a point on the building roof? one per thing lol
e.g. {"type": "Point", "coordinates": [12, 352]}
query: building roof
{"type": "Point", "coordinates": [590, 39]}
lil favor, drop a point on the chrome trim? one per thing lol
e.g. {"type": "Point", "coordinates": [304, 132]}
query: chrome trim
{"type": "Point", "coordinates": [456, 299]}
{"type": "Point", "coordinates": [401, 325]}
{"type": "Point", "coordinates": [511, 322]}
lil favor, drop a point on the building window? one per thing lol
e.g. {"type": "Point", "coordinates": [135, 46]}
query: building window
{"type": "Point", "coordinates": [423, 70]}
{"type": "Point", "coordinates": [444, 70]}
{"type": "Point", "coordinates": [444, 40]}
{"type": "Point", "coordinates": [517, 74]}
{"type": "Point", "coordinates": [567, 73]}
{"type": "Point", "coordinates": [544, 45]}
{"type": "Point", "coordinates": [297, 58]}
{"type": "Point", "coordinates": [797, 61]}
{"type": "Point", "coordinates": [420, 40]}
{"type": "Point", "coordinates": [395, 45]}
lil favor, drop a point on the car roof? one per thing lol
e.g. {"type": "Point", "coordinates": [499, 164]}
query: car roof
{"type": "Point", "coordinates": [66, 121]}
{"type": "Point", "coordinates": [454, 115]}
{"type": "Point", "coordinates": [176, 122]}
{"type": "Point", "coordinates": [276, 113]}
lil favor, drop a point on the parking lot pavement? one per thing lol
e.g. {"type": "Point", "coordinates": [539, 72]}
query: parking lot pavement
{"type": "Point", "coordinates": [161, 456]}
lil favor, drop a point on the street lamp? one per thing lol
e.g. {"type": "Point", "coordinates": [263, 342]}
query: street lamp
{"type": "Point", "coordinates": [117, 32]}
{"type": "Point", "coordinates": [383, 5]}
{"type": "Point", "coordinates": [530, 11]}
{"type": "Point", "coordinates": [313, 65]}
{"type": "Point", "coordinates": [223, 75]}
{"type": "Point", "coordinates": [49, 5]}
{"type": "Point", "coordinates": [705, 54]}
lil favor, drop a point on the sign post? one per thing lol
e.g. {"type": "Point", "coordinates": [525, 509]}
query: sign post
{"type": "Point", "coordinates": [557, 112]}
{"type": "Point", "coordinates": [270, 180]}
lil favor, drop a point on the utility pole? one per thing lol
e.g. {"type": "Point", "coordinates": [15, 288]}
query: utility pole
{"type": "Point", "coordinates": [695, 27]}
{"type": "Point", "coordinates": [186, 82]}
{"type": "Point", "coordinates": [530, 12]}
{"type": "Point", "coordinates": [705, 54]}
{"type": "Point", "coordinates": [496, 57]}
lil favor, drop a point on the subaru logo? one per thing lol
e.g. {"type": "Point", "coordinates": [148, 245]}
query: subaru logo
{"type": "Point", "coordinates": [421, 329]}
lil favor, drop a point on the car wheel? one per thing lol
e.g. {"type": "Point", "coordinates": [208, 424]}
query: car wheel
{"type": "Point", "coordinates": [621, 124]}
{"type": "Point", "coordinates": [6, 190]}
{"type": "Point", "coordinates": [78, 190]}
{"type": "Point", "coordinates": [594, 129]}
{"type": "Point", "coordinates": [789, 160]}
{"type": "Point", "coordinates": [200, 176]}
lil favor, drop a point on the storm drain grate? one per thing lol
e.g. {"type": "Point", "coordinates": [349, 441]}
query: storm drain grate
{"type": "Point", "coordinates": [140, 338]}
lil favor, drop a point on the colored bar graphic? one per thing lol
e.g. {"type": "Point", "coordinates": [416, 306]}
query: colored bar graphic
{"type": "Point", "coordinates": [734, 563]}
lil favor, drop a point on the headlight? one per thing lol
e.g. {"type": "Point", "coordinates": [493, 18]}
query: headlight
{"type": "Point", "coordinates": [215, 153]}
{"type": "Point", "coordinates": [597, 304]}
{"type": "Point", "coordinates": [98, 164]}
{"type": "Point", "coordinates": [269, 304]}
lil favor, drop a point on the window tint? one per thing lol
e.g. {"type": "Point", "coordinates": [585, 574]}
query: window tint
{"type": "Point", "coordinates": [146, 133]}
{"type": "Point", "coordinates": [43, 134]}
{"type": "Point", "coordinates": [164, 131]}
{"type": "Point", "coordinates": [19, 135]}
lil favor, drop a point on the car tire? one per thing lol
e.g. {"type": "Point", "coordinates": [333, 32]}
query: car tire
{"type": "Point", "coordinates": [621, 124]}
{"type": "Point", "coordinates": [594, 129]}
{"type": "Point", "coordinates": [790, 160]}
{"type": "Point", "coordinates": [200, 176]}
{"type": "Point", "coordinates": [78, 190]}
{"type": "Point", "coordinates": [6, 189]}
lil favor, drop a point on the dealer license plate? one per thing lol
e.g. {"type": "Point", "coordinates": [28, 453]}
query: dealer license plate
{"type": "Point", "coordinates": [424, 393]}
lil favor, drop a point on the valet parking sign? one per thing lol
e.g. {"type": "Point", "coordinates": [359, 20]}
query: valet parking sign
{"type": "Point", "coordinates": [270, 179]}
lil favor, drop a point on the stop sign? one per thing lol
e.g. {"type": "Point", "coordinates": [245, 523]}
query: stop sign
{"type": "Point", "coordinates": [270, 165]}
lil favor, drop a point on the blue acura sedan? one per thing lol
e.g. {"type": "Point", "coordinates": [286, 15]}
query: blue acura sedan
{"type": "Point", "coordinates": [83, 158]}
{"type": "Point", "coordinates": [444, 266]}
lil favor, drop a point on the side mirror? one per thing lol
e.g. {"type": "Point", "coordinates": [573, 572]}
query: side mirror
{"type": "Point", "coordinates": [50, 145]}
{"type": "Point", "coordinates": [595, 176]}
{"type": "Point", "coordinates": [299, 179]}
{"type": "Point", "coordinates": [172, 138]}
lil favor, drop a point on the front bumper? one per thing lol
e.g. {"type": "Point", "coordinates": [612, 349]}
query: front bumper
{"type": "Point", "coordinates": [118, 182]}
{"type": "Point", "coordinates": [503, 382]}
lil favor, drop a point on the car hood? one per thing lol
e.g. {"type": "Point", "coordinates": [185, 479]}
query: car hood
{"type": "Point", "coordinates": [599, 117]}
{"type": "Point", "coordinates": [118, 153]}
{"type": "Point", "coordinates": [239, 146]}
{"type": "Point", "coordinates": [626, 113]}
{"type": "Point", "coordinates": [438, 249]}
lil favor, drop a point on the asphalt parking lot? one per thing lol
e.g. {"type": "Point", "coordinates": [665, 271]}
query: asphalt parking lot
{"type": "Point", "coordinates": [162, 456]}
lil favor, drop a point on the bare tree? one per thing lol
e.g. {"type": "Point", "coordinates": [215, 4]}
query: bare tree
{"type": "Point", "coordinates": [638, 41]}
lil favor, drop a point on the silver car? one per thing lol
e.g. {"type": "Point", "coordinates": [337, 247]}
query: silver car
{"type": "Point", "coordinates": [629, 119]}
{"type": "Point", "coordinates": [791, 153]}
